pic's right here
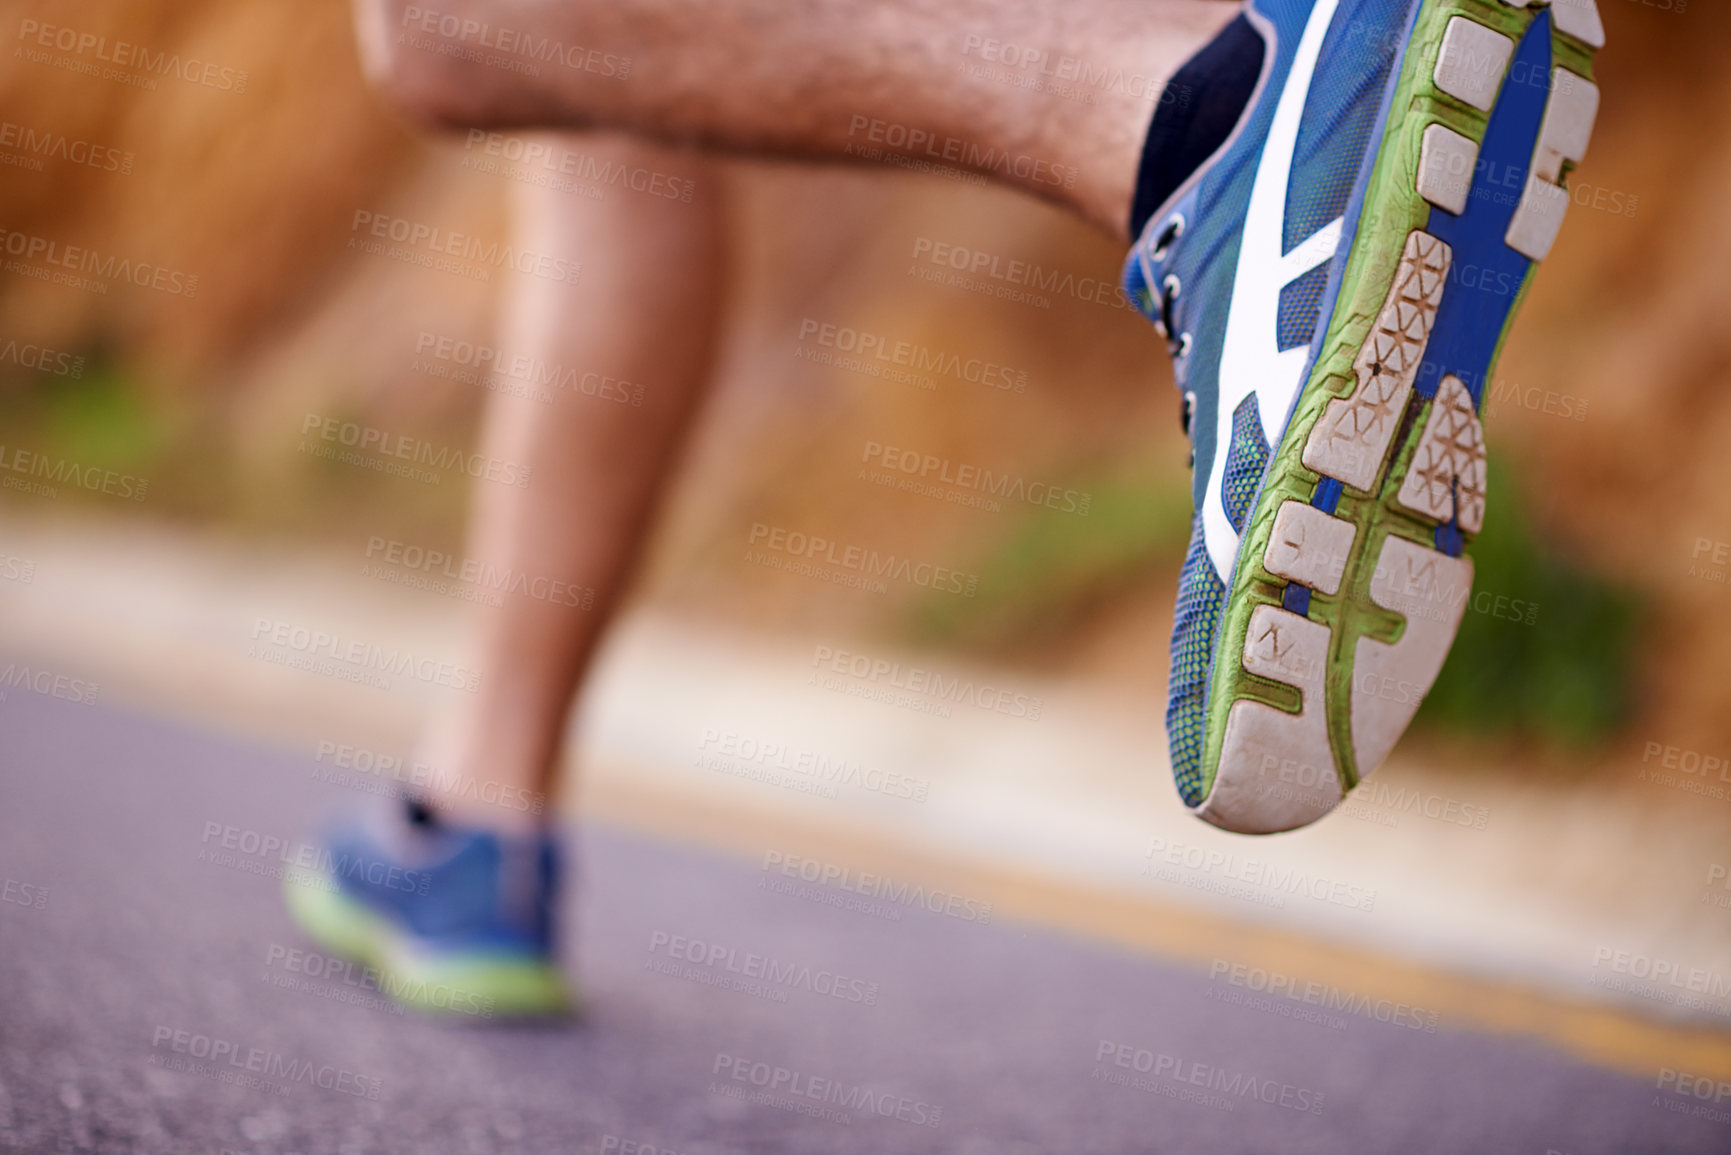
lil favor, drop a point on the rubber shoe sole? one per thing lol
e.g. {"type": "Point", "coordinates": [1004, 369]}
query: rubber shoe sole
{"type": "Point", "coordinates": [477, 986]}
{"type": "Point", "coordinates": [1350, 582]}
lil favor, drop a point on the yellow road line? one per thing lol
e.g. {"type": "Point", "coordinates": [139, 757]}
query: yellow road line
{"type": "Point", "coordinates": [1607, 1037]}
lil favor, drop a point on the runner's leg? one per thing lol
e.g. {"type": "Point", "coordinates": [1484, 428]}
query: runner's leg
{"type": "Point", "coordinates": [939, 80]}
{"type": "Point", "coordinates": [598, 455]}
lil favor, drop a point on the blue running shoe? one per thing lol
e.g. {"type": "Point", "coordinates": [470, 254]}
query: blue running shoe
{"type": "Point", "coordinates": [455, 921]}
{"type": "Point", "coordinates": [1336, 282]}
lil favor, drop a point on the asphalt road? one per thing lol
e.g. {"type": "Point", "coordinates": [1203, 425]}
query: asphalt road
{"type": "Point", "coordinates": [135, 968]}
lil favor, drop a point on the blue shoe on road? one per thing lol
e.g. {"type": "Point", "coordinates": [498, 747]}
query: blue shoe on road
{"type": "Point", "coordinates": [457, 921]}
{"type": "Point", "coordinates": [1336, 281]}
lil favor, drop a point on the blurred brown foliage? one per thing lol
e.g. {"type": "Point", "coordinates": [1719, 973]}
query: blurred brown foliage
{"type": "Point", "coordinates": [256, 191]}
{"type": "Point", "coordinates": [246, 188]}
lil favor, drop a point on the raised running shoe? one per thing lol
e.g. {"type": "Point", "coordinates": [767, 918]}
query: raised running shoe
{"type": "Point", "coordinates": [1336, 281]}
{"type": "Point", "coordinates": [454, 920]}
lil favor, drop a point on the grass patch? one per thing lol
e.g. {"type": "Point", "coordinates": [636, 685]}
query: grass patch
{"type": "Point", "coordinates": [99, 418]}
{"type": "Point", "coordinates": [1569, 677]}
{"type": "Point", "coordinates": [1051, 569]}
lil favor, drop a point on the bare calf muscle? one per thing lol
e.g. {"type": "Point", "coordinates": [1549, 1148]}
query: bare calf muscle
{"type": "Point", "coordinates": [598, 463]}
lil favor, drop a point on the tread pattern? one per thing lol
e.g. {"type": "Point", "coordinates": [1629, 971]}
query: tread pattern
{"type": "Point", "coordinates": [1351, 439]}
{"type": "Point", "coordinates": [1291, 780]}
{"type": "Point", "coordinates": [1430, 590]}
{"type": "Point", "coordinates": [1309, 547]}
{"type": "Point", "coordinates": [1473, 60]}
{"type": "Point", "coordinates": [1446, 481]}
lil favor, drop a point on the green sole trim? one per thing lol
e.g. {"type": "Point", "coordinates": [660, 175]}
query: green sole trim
{"type": "Point", "coordinates": [479, 987]}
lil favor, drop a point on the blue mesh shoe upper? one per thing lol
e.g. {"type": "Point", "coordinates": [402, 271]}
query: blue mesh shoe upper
{"type": "Point", "coordinates": [1246, 461]}
{"type": "Point", "coordinates": [1340, 113]}
{"type": "Point", "coordinates": [455, 889]}
{"type": "Point", "coordinates": [1201, 594]}
{"type": "Point", "coordinates": [1300, 304]}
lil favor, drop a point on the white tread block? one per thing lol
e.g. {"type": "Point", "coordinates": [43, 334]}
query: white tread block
{"type": "Point", "coordinates": [1580, 19]}
{"type": "Point", "coordinates": [1276, 769]}
{"type": "Point", "coordinates": [1539, 218]}
{"type": "Point", "coordinates": [1351, 438]}
{"type": "Point", "coordinates": [1430, 590]}
{"type": "Point", "coordinates": [1472, 62]}
{"type": "Point", "coordinates": [1309, 547]}
{"type": "Point", "coordinates": [1568, 127]}
{"type": "Point", "coordinates": [1445, 168]}
{"type": "Point", "coordinates": [1447, 476]}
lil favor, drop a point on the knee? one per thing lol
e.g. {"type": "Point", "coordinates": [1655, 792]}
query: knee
{"type": "Point", "coordinates": [398, 47]}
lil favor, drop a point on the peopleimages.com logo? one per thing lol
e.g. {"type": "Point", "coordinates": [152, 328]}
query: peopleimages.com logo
{"type": "Point", "coordinates": [1213, 1085]}
{"type": "Point", "coordinates": [357, 654]}
{"type": "Point", "coordinates": [814, 550]}
{"type": "Point", "coordinates": [792, 1089]}
{"type": "Point", "coordinates": [218, 1053]}
{"type": "Point", "coordinates": [766, 968]}
{"type": "Point", "coordinates": [259, 852]}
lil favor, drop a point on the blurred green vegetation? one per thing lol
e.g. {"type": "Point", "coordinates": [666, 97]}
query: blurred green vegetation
{"type": "Point", "coordinates": [193, 451]}
{"type": "Point", "coordinates": [108, 418]}
{"type": "Point", "coordinates": [1567, 677]}
{"type": "Point", "coordinates": [1547, 649]}
{"type": "Point", "coordinates": [1051, 569]}
{"type": "Point", "coordinates": [100, 417]}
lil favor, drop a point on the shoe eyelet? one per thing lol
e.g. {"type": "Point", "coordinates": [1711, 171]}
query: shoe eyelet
{"type": "Point", "coordinates": [1173, 230]}
{"type": "Point", "coordinates": [1184, 344]}
{"type": "Point", "coordinates": [1170, 289]}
